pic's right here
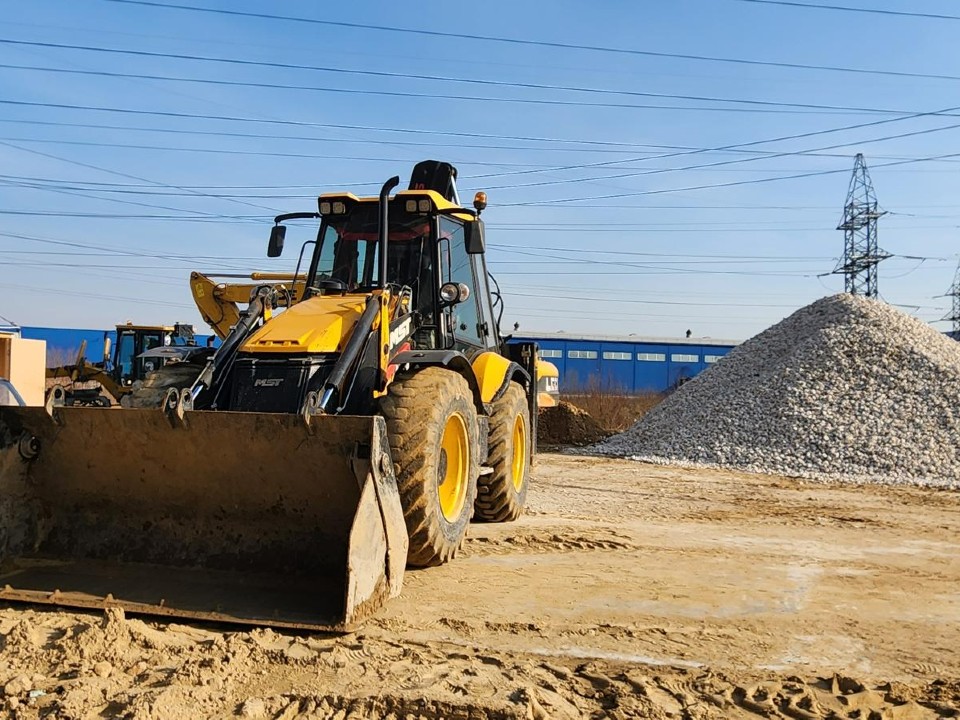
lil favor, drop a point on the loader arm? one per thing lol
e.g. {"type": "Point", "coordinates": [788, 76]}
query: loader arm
{"type": "Point", "coordinates": [219, 302]}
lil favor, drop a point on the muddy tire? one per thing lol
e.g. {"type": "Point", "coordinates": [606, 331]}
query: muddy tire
{"type": "Point", "coordinates": [502, 494]}
{"type": "Point", "coordinates": [432, 426]}
{"type": "Point", "coordinates": [151, 393]}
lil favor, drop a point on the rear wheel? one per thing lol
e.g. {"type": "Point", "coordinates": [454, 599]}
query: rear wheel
{"type": "Point", "coordinates": [502, 494]}
{"type": "Point", "coordinates": [432, 426]}
{"type": "Point", "coordinates": [154, 388]}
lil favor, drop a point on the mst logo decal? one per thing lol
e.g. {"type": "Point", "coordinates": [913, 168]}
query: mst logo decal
{"type": "Point", "coordinates": [400, 332]}
{"type": "Point", "coordinates": [267, 382]}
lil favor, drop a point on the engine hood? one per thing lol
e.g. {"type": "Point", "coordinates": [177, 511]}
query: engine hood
{"type": "Point", "coordinates": [319, 324]}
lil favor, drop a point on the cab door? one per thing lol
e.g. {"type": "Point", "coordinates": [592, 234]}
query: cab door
{"type": "Point", "coordinates": [463, 321]}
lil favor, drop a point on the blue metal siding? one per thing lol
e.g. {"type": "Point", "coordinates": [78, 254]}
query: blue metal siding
{"type": "Point", "coordinates": [650, 375]}
{"type": "Point", "coordinates": [681, 370]}
{"type": "Point", "coordinates": [626, 376]}
{"type": "Point", "coordinates": [616, 375]}
{"type": "Point", "coordinates": [581, 373]}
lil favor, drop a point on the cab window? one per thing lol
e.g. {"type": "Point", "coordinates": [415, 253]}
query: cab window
{"type": "Point", "coordinates": [463, 319]}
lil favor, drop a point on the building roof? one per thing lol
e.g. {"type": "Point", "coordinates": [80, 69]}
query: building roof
{"type": "Point", "coordinates": [638, 339]}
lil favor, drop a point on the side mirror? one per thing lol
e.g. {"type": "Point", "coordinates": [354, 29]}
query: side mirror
{"type": "Point", "coordinates": [474, 238]}
{"type": "Point", "coordinates": [453, 293]}
{"type": "Point", "coordinates": [275, 246]}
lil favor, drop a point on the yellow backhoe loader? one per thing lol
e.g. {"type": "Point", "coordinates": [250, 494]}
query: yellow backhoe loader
{"type": "Point", "coordinates": [357, 414]}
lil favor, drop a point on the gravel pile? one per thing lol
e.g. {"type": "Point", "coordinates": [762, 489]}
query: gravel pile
{"type": "Point", "coordinates": [845, 388]}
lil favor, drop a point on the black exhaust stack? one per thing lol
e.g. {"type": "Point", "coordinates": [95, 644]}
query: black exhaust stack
{"type": "Point", "coordinates": [333, 388]}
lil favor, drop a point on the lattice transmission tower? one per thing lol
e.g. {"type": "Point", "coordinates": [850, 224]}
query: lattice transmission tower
{"type": "Point", "coordinates": [954, 315]}
{"type": "Point", "coordinates": [860, 252]}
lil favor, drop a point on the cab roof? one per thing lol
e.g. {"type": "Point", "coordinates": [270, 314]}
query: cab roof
{"type": "Point", "coordinates": [438, 201]}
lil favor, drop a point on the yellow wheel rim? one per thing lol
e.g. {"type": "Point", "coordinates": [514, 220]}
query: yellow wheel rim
{"type": "Point", "coordinates": [519, 452]}
{"type": "Point", "coordinates": [454, 467]}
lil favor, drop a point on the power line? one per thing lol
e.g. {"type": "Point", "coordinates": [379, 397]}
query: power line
{"type": "Point", "coordinates": [737, 161]}
{"type": "Point", "coordinates": [58, 291]}
{"type": "Point", "coordinates": [758, 154]}
{"type": "Point", "coordinates": [753, 143]}
{"type": "Point", "coordinates": [707, 303]}
{"type": "Point", "coordinates": [127, 175]}
{"type": "Point", "coordinates": [308, 124]}
{"type": "Point", "coordinates": [407, 76]}
{"type": "Point", "coordinates": [266, 153]}
{"type": "Point", "coordinates": [224, 219]}
{"type": "Point", "coordinates": [735, 183]}
{"type": "Point", "coordinates": [634, 253]}
{"type": "Point", "coordinates": [626, 147]}
{"type": "Point", "coordinates": [117, 187]}
{"type": "Point", "coordinates": [760, 106]}
{"type": "Point", "coordinates": [722, 148]}
{"type": "Point", "coordinates": [531, 43]}
{"type": "Point", "coordinates": [115, 250]}
{"type": "Point", "coordinates": [847, 8]}
{"type": "Point", "coordinates": [652, 171]}
{"type": "Point", "coordinates": [89, 194]}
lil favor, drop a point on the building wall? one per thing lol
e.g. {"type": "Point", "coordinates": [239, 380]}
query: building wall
{"type": "Point", "coordinates": [626, 366]}
{"type": "Point", "coordinates": [22, 363]}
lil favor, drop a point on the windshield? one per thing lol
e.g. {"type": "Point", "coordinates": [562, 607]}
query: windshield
{"type": "Point", "coordinates": [349, 251]}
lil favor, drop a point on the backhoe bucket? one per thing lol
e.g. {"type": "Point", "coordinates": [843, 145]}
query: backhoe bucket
{"type": "Point", "coordinates": [260, 519]}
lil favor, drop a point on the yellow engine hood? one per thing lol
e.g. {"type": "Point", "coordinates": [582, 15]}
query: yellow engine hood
{"type": "Point", "coordinates": [317, 325]}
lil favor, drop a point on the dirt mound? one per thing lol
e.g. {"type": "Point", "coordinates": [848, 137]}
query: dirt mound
{"type": "Point", "coordinates": [845, 388]}
{"type": "Point", "coordinates": [567, 424]}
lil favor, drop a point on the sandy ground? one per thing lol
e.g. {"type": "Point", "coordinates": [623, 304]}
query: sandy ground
{"type": "Point", "coordinates": [628, 590]}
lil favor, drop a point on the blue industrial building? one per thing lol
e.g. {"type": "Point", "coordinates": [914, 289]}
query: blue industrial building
{"type": "Point", "coordinates": [627, 365]}
{"type": "Point", "coordinates": [630, 365]}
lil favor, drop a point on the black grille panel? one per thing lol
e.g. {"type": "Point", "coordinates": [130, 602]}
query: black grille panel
{"type": "Point", "coordinates": [276, 385]}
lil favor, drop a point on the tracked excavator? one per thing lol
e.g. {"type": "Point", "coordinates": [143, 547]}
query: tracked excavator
{"type": "Point", "coordinates": [358, 413]}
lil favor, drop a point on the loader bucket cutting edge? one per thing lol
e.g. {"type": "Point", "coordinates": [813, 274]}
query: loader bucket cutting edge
{"type": "Point", "coordinates": [259, 519]}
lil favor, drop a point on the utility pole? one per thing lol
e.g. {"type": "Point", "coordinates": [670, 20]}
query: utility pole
{"type": "Point", "coordinates": [954, 315]}
{"type": "Point", "coordinates": [860, 252]}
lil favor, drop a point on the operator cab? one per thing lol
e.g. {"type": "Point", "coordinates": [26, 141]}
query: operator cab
{"type": "Point", "coordinates": [133, 341]}
{"type": "Point", "coordinates": [433, 243]}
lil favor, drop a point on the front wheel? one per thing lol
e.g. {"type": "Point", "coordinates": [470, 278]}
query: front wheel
{"type": "Point", "coordinates": [432, 426]}
{"type": "Point", "coordinates": [502, 494]}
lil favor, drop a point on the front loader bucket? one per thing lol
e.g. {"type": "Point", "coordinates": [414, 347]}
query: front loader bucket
{"type": "Point", "coordinates": [265, 519]}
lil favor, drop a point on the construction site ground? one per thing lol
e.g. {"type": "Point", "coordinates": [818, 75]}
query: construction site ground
{"type": "Point", "coordinates": [627, 590]}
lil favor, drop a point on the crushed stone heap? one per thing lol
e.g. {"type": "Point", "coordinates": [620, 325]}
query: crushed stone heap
{"type": "Point", "coordinates": [845, 388]}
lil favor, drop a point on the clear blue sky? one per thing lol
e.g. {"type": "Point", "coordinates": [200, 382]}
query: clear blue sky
{"type": "Point", "coordinates": [113, 209]}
